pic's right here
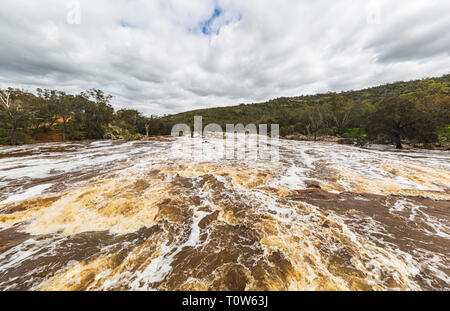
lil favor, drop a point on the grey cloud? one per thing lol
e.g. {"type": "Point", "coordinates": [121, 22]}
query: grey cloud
{"type": "Point", "coordinates": [146, 54]}
{"type": "Point", "coordinates": [418, 36]}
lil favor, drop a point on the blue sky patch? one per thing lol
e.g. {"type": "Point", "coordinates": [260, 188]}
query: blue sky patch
{"type": "Point", "coordinates": [206, 25]}
{"type": "Point", "coordinates": [210, 26]}
{"type": "Point", "coordinates": [126, 24]}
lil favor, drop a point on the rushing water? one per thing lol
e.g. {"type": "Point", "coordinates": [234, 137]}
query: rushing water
{"type": "Point", "coordinates": [142, 216]}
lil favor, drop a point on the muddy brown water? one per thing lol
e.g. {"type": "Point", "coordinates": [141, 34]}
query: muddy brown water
{"type": "Point", "coordinates": [149, 216]}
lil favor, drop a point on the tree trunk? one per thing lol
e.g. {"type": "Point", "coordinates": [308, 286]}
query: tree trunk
{"type": "Point", "coordinates": [398, 142]}
{"type": "Point", "coordinates": [64, 130]}
{"type": "Point", "coordinates": [12, 137]}
{"type": "Point", "coordinates": [51, 124]}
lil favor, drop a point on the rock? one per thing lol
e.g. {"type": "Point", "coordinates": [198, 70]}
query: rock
{"type": "Point", "coordinates": [311, 184]}
{"type": "Point", "coordinates": [296, 136]}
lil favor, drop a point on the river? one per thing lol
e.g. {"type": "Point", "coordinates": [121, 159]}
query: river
{"type": "Point", "coordinates": [147, 215]}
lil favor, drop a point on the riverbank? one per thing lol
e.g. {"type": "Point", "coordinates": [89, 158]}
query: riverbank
{"type": "Point", "coordinates": [117, 134]}
{"type": "Point", "coordinates": [443, 143]}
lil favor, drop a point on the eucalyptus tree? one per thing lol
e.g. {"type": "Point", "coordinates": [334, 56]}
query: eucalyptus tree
{"type": "Point", "coordinates": [12, 113]}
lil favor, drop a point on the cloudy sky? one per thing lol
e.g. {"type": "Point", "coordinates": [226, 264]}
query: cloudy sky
{"type": "Point", "coordinates": [168, 56]}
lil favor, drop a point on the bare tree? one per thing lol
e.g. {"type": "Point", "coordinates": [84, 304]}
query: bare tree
{"type": "Point", "coordinates": [14, 113]}
{"type": "Point", "coordinates": [341, 112]}
{"type": "Point", "coordinates": [147, 129]}
{"type": "Point", "coordinates": [315, 121]}
{"type": "Point", "coordinates": [341, 120]}
{"type": "Point", "coordinates": [4, 96]}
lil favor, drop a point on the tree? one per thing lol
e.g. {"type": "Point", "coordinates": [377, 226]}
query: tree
{"type": "Point", "coordinates": [147, 129]}
{"type": "Point", "coordinates": [97, 96]}
{"type": "Point", "coordinates": [400, 118]}
{"type": "Point", "coordinates": [4, 97]}
{"type": "Point", "coordinates": [340, 112]}
{"type": "Point", "coordinates": [97, 112]}
{"type": "Point", "coordinates": [434, 112]}
{"type": "Point", "coordinates": [314, 120]}
{"type": "Point", "coordinates": [128, 119]}
{"type": "Point", "coordinates": [13, 113]}
{"type": "Point", "coordinates": [55, 105]}
{"type": "Point", "coordinates": [65, 108]}
{"type": "Point", "coordinates": [42, 113]}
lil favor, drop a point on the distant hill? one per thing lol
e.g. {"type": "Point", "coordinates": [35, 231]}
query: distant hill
{"type": "Point", "coordinates": [412, 112]}
{"type": "Point", "coordinates": [287, 110]}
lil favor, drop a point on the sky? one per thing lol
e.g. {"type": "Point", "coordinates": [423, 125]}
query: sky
{"type": "Point", "coordinates": [164, 57]}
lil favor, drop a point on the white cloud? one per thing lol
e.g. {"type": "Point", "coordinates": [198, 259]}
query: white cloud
{"type": "Point", "coordinates": [159, 57]}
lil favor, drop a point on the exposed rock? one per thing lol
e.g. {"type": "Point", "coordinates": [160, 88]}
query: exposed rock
{"type": "Point", "coordinates": [311, 184]}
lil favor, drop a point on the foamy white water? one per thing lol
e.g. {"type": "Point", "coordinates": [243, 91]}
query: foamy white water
{"type": "Point", "coordinates": [159, 215]}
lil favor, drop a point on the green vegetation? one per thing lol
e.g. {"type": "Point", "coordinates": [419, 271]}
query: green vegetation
{"type": "Point", "coordinates": [416, 112]}
{"type": "Point", "coordinates": [26, 118]}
